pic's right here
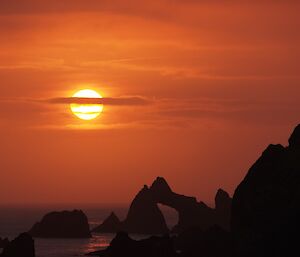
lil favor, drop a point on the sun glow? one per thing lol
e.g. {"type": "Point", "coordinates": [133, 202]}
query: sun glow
{"type": "Point", "coordinates": [86, 111]}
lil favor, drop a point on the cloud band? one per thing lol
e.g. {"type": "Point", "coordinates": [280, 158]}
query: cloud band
{"type": "Point", "coordinates": [134, 100]}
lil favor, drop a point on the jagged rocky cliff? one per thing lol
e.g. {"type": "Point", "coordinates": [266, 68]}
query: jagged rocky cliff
{"type": "Point", "coordinates": [266, 205]}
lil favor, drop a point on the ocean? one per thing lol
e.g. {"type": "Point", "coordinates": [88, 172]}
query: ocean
{"type": "Point", "coordinates": [17, 219]}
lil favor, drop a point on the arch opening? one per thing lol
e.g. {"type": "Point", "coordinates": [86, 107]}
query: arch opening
{"type": "Point", "coordinates": [170, 214]}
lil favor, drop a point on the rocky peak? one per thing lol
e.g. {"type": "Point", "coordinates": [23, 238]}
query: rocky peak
{"type": "Point", "coordinates": [144, 216]}
{"type": "Point", "coordinates": [294, 140]}
{"type": "Point", "coordinates": [111, 224]}
{"type": "Point", "coordinates": [273, 151]}
{"type": "Point", "coordinates": [142, 194]}
{"type": "Point", "coordinates": [113, 217]}
{"type": "Point", "coordinates": [160, 185]}
{"type": "Point", "coordinates": [222, 193]}
{"type": "Point", "coordinates": [145, 188]}
{"type": "Point", "coordinates": [222, 199]}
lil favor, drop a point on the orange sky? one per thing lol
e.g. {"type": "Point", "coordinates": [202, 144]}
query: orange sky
{"type": "Point", "coordinates": [222, 81]}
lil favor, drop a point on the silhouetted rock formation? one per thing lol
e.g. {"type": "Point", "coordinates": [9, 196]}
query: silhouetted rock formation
{"type": "Point", "coordinates": [123, 246]}
{"type": "Point", "coordinates": [192, 213]}
{"type": "Point", "coordinates": [111, 224]}
{"type": "Point", "coordinates": [22, 246]}
{"type": "Point", "coordinates": [265, 213]}
{"type": "Point", "coordinates": [65, 224]}
{"type": "Point", "coordinates": [222, 201]}
{"type": "Point", "coordinates": [144, 216]}
{"type": "Point", "coordinates": [266, 205]}
{"type": "Point", "coordinates": [223, 208]}
{"type": "Point", "coordinates": [3, 242]}
{"type": "Point", "coordinates": [214, 242]}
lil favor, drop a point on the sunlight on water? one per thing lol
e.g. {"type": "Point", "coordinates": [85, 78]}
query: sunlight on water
{"type": "Point", "coordinates": [15, 220]}
{"type": "Point", "coordinates": [71, 247]}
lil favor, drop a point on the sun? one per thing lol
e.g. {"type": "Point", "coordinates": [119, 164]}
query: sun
{"type": "Point", "coordinates": [86, 111]}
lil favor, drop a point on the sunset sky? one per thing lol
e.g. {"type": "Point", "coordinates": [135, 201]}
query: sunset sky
{"type": "Point", "coordinates": [208, 85]}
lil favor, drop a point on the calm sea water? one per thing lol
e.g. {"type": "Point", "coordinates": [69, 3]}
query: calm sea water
{"type": "Point", "coordinates": [17, 219]}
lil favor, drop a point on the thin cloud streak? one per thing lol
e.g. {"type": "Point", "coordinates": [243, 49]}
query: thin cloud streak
{"type": "Point", "coordinates": [123, 101]}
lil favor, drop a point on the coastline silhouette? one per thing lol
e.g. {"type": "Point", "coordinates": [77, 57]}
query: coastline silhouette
{"type": "Point", "coordinates": [264, 214]}
{"type": "Point", "coordinates": [262, 218]}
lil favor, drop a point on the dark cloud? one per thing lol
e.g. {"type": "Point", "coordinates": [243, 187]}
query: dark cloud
{"type": "Point", "coordinates": [66, 6]}
{"type": "Point", "coordinates": [38, 6]}
{"type": "Point", "coordinates": [270, 113]}
{"type": "Point", "coordinates": [133, 100]}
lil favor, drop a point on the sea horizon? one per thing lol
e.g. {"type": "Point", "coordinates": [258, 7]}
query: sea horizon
{"type": "Point", "coordinates": [18, 218]}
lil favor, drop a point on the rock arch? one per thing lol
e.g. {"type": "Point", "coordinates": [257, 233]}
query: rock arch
{"type": "Point", "coordinates": [192, 213]}
{"type": "Point", "coordinates": [145, 217]}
